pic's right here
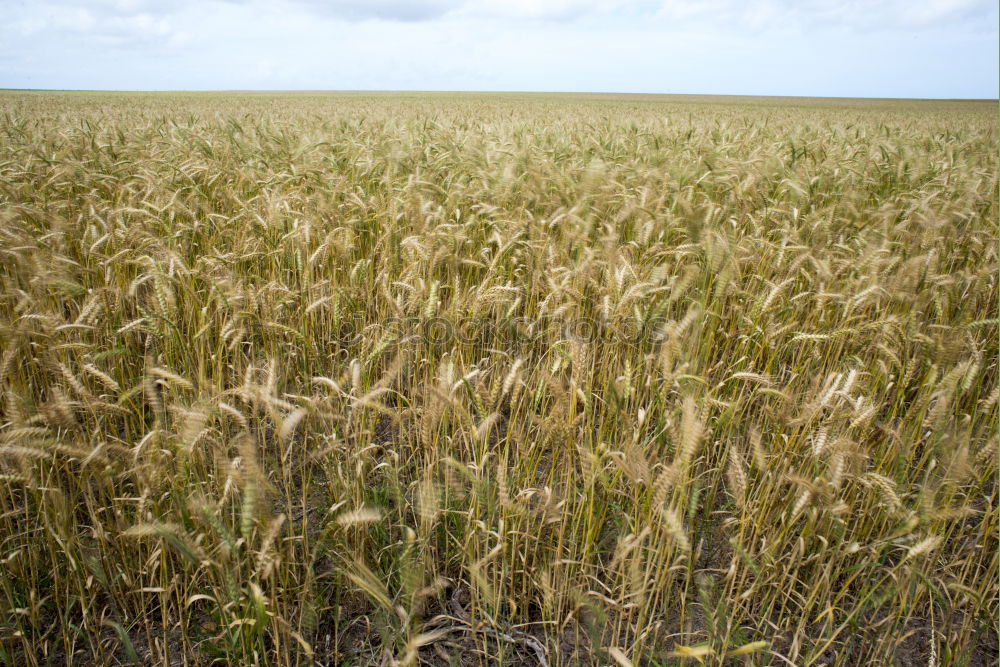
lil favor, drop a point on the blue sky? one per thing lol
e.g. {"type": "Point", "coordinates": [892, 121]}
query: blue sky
{"type": "Point", "coordinates": [888, 48]}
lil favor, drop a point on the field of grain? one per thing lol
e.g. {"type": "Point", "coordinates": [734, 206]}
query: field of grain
{"type": "Point", "coordinates": [415, 379]}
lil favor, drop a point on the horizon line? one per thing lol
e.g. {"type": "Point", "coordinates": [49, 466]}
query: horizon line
{"type": "Point", "coordinates": [210, 91]}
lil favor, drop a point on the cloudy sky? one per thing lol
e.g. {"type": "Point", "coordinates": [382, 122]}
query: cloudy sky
{"type": "Point", "coordinates": [867, 48]}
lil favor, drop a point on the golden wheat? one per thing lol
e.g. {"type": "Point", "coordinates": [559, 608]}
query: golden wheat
{"type": "Point", "coordinates": [415, 379]}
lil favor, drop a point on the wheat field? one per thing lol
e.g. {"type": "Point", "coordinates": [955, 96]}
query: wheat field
{"type": "Point", "coordinates": [441, 379]}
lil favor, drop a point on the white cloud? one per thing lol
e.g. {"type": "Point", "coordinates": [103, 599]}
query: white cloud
{"type": "Point", "coordinates": [74, 19]}
{"type": "Point", "coordinates": [936, 11]}
{"type": "Point", "coordinates": [563, 10]}
{"type": "Point", "coordinates": [832, 47]}
{"type": "Point", "coordinates": [139, 25]}
{"type": "Point", "coordinates": [388, 10]}
{"type": "Point", "coordinates": [852, 14]}
{"type": "Point", "coordinates": [110, 24]}
{"type": "Point", "coordinates": [883, 14]}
